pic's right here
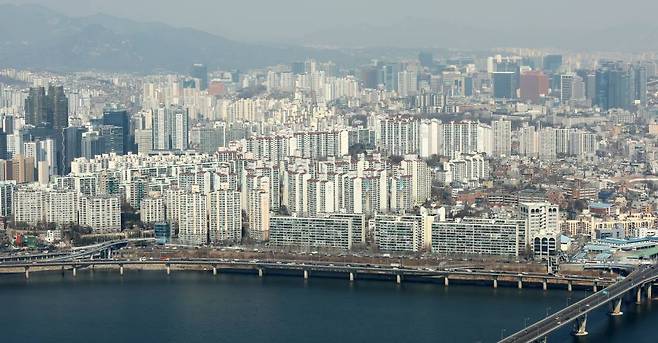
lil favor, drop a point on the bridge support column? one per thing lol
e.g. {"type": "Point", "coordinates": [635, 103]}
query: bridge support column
{"type": "Point", "coordinates": [352, 276]}
{"type": "Point", "coordinates": [638, 295]}
{"type": "Point", "coordinates": [544, 284]}
{"type": "Point", "coordinates": [260, 272]}
{"type": "Point", "coordinates": [305, 274]}
{"type": "Point", "coordinates": [75, 271]}
{"type": "Point", "coordinates": [27, 272]}
{"type": "Point", "coordinates": [519, 284]}
{"type": "Point", "coordinates": [214, 270]}
{"type": "Point", "coordinates": [121, 269]}
{"type": "Point", "coordinates": [649, 286]}
{"type": "Point", "coordinates": [398, 279]}
{"type": "Point", "coordinates": [63, 271]}
{"type": "Point", "coordinates": [581, 326]}
{"type": "Point", "coordinates": [446, 281]}
{"type": "Point", "coordinates": [168, 269]}
{"type": "Point", "coordinates": [595, 287]}
{"type": "Point", "coordinates": [495, 282]}
{"type": "Point", "coordinates": [570, 286]}
{"type": "Point", "coordinates": [616, 308]}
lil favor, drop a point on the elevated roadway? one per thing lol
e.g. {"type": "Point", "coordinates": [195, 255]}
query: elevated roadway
{"type": "Point", "coordinates": [644, 276]}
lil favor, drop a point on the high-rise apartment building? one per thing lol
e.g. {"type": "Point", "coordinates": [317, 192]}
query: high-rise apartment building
{"type": "Point", "coordinates": [192, 218]}
{"type": "Point", "coordinates": [225, 216]}
{"type": "Point", "coordinates": [502, 137]}
{"type": "Point", "coordinates": [170, 128]}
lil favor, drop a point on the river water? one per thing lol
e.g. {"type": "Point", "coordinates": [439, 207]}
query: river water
{"type": "Point", "coordinates": [148, 306]}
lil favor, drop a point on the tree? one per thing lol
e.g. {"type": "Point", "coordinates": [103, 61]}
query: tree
{"type": "Point", "coordinates": [529, 253]}
{"type": "Point", "coordinates": [433, 161]}
{"type": "Point", "coordinates": [579, 205]}
{"type": "Point", "coordinates": [356, 149]}
{"type": "Point", "coordinates": [283, 210]}
{"type": "Point", "coordinates": [396, 159]}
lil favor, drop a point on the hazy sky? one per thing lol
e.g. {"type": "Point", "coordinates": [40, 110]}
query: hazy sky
{"type": "Point", "coordinates": [293, 20]}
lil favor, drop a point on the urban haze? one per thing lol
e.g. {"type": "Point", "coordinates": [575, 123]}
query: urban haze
{"type": "Point", "coordinates": [304, 171]}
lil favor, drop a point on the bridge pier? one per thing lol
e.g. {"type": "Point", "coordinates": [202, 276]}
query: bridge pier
{"type": "Point", "coordinates": [616, 308]}
{"type": "Point", "coordinates": [121, 269]}
{"type": "Point", "coordinates": [352, 276]}
{"type": "Point", "coordinates": [446, 281]}
{"type": "Point", "coordinates": [649, 286]}
{"type": "Point", "coordinates": [570, 286]}
{"type": "Point", "coordinates": [581, 326]}
{"type": "Point", "coordinates": [638, 295]}
{"type": "Point", "coordinates": [27, 272]}
{"type": "Point", "coordinates": [214, 270]}
{"type": "Point", "coordinates": [495, 282]}
{"type": "Point", "coordinates": [398, 279]}
{"type": "Point", "coordinates": [544, 284]}
{"type": "Point", "coordinates": [519, 283]}
{"type": "Point", "coordinates": [63, 271]}
{"type": "Point", "coordinates": [305, 274]}
{"type": "Point", "coordinates": [595, 287]}
{"type": "Point", "coordinates": [75, 271]}
{"type": "Point", "coordinates": [168, 269]}
{"type": "Point", "coordinates": [260, 272]}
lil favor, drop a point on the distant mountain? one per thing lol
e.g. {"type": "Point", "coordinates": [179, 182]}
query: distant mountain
{"type": "Point", "coordinates": [36, 37]}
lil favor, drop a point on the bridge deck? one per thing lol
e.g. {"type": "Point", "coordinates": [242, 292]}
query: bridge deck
{"type": "Point", "coordinates": [542, 328]}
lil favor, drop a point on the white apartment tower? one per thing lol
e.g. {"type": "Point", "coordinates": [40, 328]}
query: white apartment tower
{"type": "Point", "coordinates": [540, 218]}
{"type": "Point", "coordinates": [502, 138]}
{"type": "Point", "coordinates": [225, 216]}
{"type": "Point", "coordinates": [192, 219]}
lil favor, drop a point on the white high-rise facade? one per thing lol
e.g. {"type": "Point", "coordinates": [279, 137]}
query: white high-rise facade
{"type": "Point", "coordinates": [540, 218]}
{"type": "Point", "coordinates": [466, 137]}
{"type": "Point", "coordinates": [430, 137]}
{"type": "Point", "coordinates": [397, 135]}
{"type": "Point", "coordinates": [61, 207]}
{"type": "Point", "coordinates": [502, 138]}
{"type": "Point", "coordinates": [170, 128]}
{"type": "Point", "coordinates": [100, 212]}
{"type": "Point", "coordinates": [152, 210]}
{"type": "Point", "coordinates": [192, 219]}
{"type": "Point", "coordinates": [225, 216]}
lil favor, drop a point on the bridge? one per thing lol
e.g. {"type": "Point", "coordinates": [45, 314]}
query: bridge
{"type": "Point", "coordinates": [306, 268]}
{"type": "Point", "coordinates": [100, 250]}
{"type": "Point", "coordinates": [640, 279]}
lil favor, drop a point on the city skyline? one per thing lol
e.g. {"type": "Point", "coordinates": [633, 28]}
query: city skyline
{"type": "Point", "coordinates": [460, 144]}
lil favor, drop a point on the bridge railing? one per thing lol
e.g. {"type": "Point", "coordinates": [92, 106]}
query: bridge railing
{"type": "Point", "coordinates": [579, 304]}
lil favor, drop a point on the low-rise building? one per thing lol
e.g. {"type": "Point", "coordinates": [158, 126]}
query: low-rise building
{"type": "Point", "coordinates": [502, 237]}
{"type": "Point", "coordinates": [310, 233]}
